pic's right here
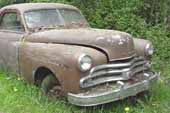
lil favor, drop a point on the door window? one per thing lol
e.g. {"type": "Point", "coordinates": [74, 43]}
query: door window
{"type": "Point", "coordinates": [11, 21]}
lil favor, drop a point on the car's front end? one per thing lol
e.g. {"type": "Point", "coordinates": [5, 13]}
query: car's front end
{"type": "Point", "coordinates": [111, 64]}
{"type": "Point", "coordinates": [118, 78]}
{"type": "Point", "coordinates": [114, 81]}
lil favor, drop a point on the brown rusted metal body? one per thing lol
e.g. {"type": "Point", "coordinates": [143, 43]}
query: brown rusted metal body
{"type": "Point", "coordinates": [58, 49]}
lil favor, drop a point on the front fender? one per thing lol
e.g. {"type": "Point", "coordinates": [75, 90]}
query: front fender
{"type": "Point", "coordinates": [140, 45]}
{"type": "Point", "coordinates": [61, 59]}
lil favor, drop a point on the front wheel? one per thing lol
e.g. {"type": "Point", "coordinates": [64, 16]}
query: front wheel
{"type": "Point", "coordinates": [50, 86]}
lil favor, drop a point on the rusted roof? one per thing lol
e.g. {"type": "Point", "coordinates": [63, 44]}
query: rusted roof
{"type": "Point", "coordinates": [33, 6]}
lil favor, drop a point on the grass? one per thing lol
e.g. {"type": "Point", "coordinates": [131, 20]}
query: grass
{"type": "Point", "coordinates": [16, 96]}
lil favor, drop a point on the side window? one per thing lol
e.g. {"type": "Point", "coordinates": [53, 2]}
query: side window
{"type": "Point", "coordinates": [10, 21]}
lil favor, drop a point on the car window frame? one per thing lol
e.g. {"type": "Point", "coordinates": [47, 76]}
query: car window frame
{"type": "Point", "coordinates": [6, 11]}
{"type": "Point", "coordinates": [59, 9]}
{"type": "Point", "coordinates": [37, 10]}
{"type": "Point", "coordinates": [60, 16]}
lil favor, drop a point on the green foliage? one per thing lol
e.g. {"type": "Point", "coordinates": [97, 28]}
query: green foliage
{"type": "Point", "coordinates": [107, 13]}
{"type": "Point", "coordinates": [5, 2]}
{"type": "Point", "coordinates": [156, 12]}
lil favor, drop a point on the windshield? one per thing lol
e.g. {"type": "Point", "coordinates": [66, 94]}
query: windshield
{"type": "Point", "coordinates": [49, 18]}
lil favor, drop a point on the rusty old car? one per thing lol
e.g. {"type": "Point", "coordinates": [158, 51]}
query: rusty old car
{"type": "Point", "coordinates": [52, 46]}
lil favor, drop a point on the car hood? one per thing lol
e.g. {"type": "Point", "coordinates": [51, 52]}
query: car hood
{"type": "Point", "coordinates": [115, 44]}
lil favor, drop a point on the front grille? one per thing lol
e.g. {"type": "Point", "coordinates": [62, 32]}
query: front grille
{"type": "Point", "coordinates": [114, 71]}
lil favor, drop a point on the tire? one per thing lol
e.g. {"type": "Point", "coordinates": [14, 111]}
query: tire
{"type": "Point", "coordinates": [145, 94]}
{"type": "Point", "coordinates": [48, 83]}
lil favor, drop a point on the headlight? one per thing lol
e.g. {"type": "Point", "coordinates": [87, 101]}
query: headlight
{"type": "Point", "coordinates": [149, 50]}
{"type": "Point", "coordinates": [85, 62]}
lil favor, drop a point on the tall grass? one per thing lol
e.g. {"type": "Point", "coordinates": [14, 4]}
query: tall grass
{"type": "Point", "coordinates": [16, 96]}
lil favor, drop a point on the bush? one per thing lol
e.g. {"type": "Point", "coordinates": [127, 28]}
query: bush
{"type": "Point", "coordinates": [125, 15]}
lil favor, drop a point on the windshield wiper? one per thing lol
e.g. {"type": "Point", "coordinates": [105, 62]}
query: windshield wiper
{"type": "Point", "coordinates": [78, 24]}
{"type": "Point", "coordinates": [39, 28]}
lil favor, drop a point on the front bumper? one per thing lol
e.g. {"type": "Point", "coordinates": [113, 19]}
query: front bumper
{"type": "Point", "coordinates": [113, 94]}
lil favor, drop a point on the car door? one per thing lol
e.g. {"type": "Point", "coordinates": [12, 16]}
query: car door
{"type": "Point", "coordinates": [11, 32]}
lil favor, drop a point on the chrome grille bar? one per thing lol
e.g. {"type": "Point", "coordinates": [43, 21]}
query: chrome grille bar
{"type": "Point", "coordinates": [114, 72]}
{"type": "Point", "coordinates": [119, 65]}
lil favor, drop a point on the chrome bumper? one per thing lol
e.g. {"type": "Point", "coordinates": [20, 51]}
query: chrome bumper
{"type": "Point", "coordinates": [126, 90]}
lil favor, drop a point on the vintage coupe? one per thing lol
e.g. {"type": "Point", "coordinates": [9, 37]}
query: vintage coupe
{"type": "Point", "coordinates": [52, 45]}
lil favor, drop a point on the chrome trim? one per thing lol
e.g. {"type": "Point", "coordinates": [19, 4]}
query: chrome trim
{"type": "Point", "coordinates": [113, 72]}
{"type": "Point", "coordinates": [102, 80]}
{"type": "Point", "coordinates": [120, 65]}
{"type": "Point", "coordinates": [110, 95]}
{"type": "Point", "coordinates": [133, 55]}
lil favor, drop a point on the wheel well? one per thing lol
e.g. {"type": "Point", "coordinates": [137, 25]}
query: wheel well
{"type": "Point", "coordinates": [40, 74]}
